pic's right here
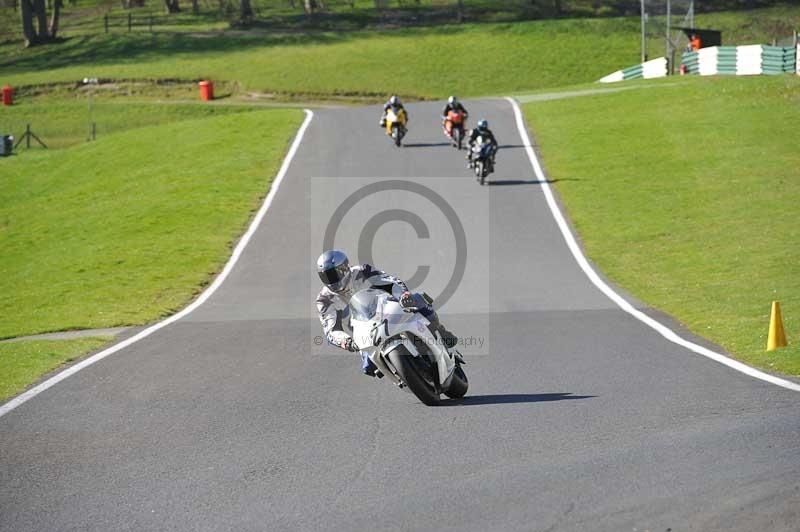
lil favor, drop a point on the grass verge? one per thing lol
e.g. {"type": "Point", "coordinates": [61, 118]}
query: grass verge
{"type": "Point", "coordinates": [22, 363]}
{"type": "Point", "coordinates": [687, 197]}
{"type": "Point", "coordinates": [129, 228]}
{"type": "Point", "coordinates": [470, 59]}
{"type": "Point", "coordinates": [65, 121]}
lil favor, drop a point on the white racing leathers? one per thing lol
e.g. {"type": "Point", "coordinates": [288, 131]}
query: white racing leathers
{"type": "Point", "coordinates": [334, 312]}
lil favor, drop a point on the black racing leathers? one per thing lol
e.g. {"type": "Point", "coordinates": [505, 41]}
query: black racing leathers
{"type": "Point", "coordinates": [487, 135]}
{"type": "Point", "coordinates": [454, 107]}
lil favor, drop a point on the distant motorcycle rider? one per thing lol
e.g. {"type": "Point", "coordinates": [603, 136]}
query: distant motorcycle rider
{"type": "Point", "coordinates": [481, 131]}
{"type": "Point", "coordinates": [393, 103]}
{"type": "Point", "coordinates": [341, 281]}
{"type": "Point", "coordinates": [452, 105]}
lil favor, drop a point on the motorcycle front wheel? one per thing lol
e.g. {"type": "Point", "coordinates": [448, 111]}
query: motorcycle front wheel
{"type": "Point", "coordinates": [406, 368]}
{"type": "Point", "coordinates": [458, 385]}
{"type": "Point", "coordinates": [396, 135]}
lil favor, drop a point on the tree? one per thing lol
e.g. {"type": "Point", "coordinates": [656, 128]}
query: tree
{"type": "Point", "coordinates": [54, 18]}
{"type": "Point", "coordinates": [26, 12]}
{"type": "Point", "coordinates": [246, 10]}
{"type": "Point", "coordinates": [313, 5]}
{"type": "Point", "coordinates": [40, 11]}
{"type": "Point", "coordinates": [36, 10]}
{"type": "Point", "coordinates": [173, 6]}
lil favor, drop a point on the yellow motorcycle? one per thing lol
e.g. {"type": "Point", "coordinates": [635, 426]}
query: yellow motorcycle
{"type": "Point", "coordinates": [396, 124]}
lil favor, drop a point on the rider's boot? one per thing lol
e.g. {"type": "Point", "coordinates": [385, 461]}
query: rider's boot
{"type": "Point", "coordinates": [450, 339]}
{"type": "Point", "coordinates": [435, 326]}
{"type": "Point", "coordinates": [368, 368]}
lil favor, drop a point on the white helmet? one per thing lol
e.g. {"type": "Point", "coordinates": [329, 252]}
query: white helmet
{"type": "Point", "coordinates": [333, 269]}
{"type": "Point", "coordinates": [452, 100]}
{"type": "Point", "coordinates": [394, 100]}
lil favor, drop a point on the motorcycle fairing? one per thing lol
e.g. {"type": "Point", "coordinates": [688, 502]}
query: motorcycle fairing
{"type": "Point", "coordinates": [391, 326]}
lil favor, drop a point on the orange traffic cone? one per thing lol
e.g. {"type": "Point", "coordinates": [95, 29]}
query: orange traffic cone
{"type": "Point", "coordinates": [777, 336]}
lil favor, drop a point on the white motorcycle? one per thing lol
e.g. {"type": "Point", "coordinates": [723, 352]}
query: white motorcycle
{"type": "Point", "coordinates": [400, 344]}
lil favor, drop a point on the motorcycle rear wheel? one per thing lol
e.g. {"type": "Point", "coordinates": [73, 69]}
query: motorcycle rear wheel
{"type": "Point", "coordinates": [403, 363]}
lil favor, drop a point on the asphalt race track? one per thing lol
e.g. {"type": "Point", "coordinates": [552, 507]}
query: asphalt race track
{"type": "Point", "coordinates": [578, 417]}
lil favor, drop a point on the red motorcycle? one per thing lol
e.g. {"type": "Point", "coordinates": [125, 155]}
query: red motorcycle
{"type": "Point", "coordinates": [454, 124]}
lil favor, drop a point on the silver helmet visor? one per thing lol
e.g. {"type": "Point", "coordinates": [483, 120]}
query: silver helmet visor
{"type": "Point", "coordinates": [333, 276]}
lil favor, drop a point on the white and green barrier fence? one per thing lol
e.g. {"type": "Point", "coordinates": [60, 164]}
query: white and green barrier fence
{"type": "Point", "coordinates": [656, 68]}
{"type": "Point", "coordinates": [746, 60]}
{"type": "Point", "coordinates": [742, 60]}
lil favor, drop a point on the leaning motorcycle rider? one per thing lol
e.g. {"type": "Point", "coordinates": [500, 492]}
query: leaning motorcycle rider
{"type": "Point", "coordinates": [341, 282]}
{"type": "Point", "coordinates": [481, 131]}
{"type": "Point", "coordinates": [393, 103]}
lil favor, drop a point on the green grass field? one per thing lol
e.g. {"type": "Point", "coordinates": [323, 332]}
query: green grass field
{"type": "Point", "coordinates": [424, 62]}
{"type": "Point", "coordinates": [86, 17]}
{"type": "Point", "coordinates": [687, 196]}
{"type": "Point", "coordinates": [22, 363]}
{"type": "Point", "coordinates": [63, 122]}
{"type": "Point", "coordinates": [129, 228]}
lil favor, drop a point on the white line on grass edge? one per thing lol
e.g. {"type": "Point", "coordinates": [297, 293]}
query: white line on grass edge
{"type": "Point", "coordinates": [667, 333]}
{"type": "Point", "coordinates": [36, 390]}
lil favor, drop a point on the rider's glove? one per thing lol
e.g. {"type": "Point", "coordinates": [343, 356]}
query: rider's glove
{"type": "Point", "coordinates": [407, 300]}
{"type": "Point", "coordinates": [350, 345]}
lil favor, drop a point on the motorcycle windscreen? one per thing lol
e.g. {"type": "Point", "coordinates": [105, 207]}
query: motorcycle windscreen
{"type": "Point", "coordinates": [364, 304]}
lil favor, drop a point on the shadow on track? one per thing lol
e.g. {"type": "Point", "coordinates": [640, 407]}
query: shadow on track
{"type": "Point", "coordinates": [426, 144]}
{"type": "Point", "coordinates": [525, 182]}
{"type": "Point", "coordinates": [512, 398]}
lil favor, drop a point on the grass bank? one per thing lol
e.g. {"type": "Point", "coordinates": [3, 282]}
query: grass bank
{"type": "Point", "coordinates": [423, 62]}
{"type": "Point", "coordinates": [65, 121]}
{"type": "Point", "coordinates": [22, 363]}
{"type": "Point", "coordinates": [687, 196]}
{"type": "Point", "coordinates": [129, 228]}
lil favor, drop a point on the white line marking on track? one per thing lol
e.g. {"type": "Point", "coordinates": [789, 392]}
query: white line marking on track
{"type": "Point", "coordinates": [39, 388]}
{"type": "Point", "coordinates": [666, 332]}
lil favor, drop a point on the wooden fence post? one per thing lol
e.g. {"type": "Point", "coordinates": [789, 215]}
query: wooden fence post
{"type": "Point", "coordinates": [105, 22]}
{"type": "Point", "coordinates": [129, 22]}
